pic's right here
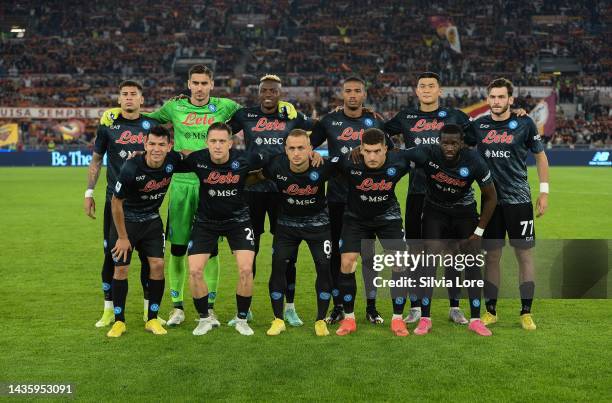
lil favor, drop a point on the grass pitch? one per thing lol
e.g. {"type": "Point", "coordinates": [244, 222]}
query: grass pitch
{"type": "Point", "coordinates": [50, 280]}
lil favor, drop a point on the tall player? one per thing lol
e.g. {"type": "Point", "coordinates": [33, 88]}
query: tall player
{"type": "Point", "coordinates": [504, 140]}
{"type": "Point", "coordinates": [118, 141]}
{"type": "Point", "coordinates": [422, 126]}
{"type": "Point", "coordinates": [191, 119]}
{"type": "Point", "coordinates": [343, 130]}
{"type": "Point", "coordinates": [264, 131]}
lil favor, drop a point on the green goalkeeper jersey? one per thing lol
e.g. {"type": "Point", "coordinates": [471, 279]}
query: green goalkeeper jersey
{"type": "Point", "coordinates": [191, 123]}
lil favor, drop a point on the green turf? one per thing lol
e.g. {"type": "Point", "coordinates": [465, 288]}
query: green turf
{"type": "Point", "coordinates": [50, 283]}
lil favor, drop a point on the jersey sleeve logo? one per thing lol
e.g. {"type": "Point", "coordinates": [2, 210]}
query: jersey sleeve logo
{"type": "Point", "coordinates": [169, 168]}
{"type": "Point", "coordinates": [513, 124]}
{"type": "Point", "coordinates": [146, 125]}
{"type": "Point", "coordinates": [442, 114]}
{"type": "Point", "coordinates": [464, 172]}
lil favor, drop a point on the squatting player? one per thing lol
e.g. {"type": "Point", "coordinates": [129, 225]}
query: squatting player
{"type": "Point", "coordinates": [449, 213]}
{"type": "Point", "coordinates": [118, 141]}
{"type": "Point", "coordinates": [137, 195]}
{"type": "Point", "coordinates": [302, 216]}
{"type": "Point", "coordinates": [504, 139]}
{"type": "Point", "coordinates": [343, 130]}
{"type": "Point", "coordinates": [264, 130]}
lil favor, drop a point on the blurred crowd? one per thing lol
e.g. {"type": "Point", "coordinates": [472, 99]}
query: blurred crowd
{"type": "Point", "coordinates": [74, 53]}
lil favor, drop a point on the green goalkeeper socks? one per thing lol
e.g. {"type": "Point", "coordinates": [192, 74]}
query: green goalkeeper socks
{"type": "Point", "coordinates": [177, 271]}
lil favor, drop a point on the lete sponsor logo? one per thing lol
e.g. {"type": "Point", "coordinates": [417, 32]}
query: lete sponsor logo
{"type": "Point", "coordinates": [128, 138]}
{"type": "Point", "coordinates": [156, 185]}
{"type": "Point", "coordinates": [218, 178]}
{"type": "Point", "coordinates": [498, 138]}
{"type": "Point", "coordinates": [368, 184]}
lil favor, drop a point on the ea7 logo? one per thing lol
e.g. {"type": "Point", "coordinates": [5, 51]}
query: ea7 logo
{"type": "Point", "coordinates": [281, 177]}
{"type": "Point", "coordinates": [431, 164]}
{"type": "Point", "coordinates": [485, 126]}
{"type": "Point", "coordinates": [251, 115]}
{"type": "Point", "coordinates": [353, 172]}
{"type": "Point", "coordinates": [337, 123]}
{"type": "Point", "coordinates": [140, 178]}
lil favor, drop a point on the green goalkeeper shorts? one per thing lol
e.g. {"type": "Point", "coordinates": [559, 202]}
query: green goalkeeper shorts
{"type": "Point", "coordinates": [182, 205]}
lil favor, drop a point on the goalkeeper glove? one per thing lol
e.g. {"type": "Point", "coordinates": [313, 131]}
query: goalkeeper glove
{"type": "Point", "coordinates": [109, 116]}
{"type": "Point", "coordinates": [287, 109]}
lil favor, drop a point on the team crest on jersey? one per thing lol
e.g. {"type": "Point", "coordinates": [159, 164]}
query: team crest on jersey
{"type": "Point", "coordinates": [146, 125]}
{"type": "Point", "coordinates": [212, 108]}
{"type": "Point", "coordinates": [513, 124]}
{"type": "Point", "coordinates": [368, 122]}
{"type": "Point", "coordinates": [235, 165]}
{"type": "Point", "coordinates": [391, 171]}
{"type": "Point", "coordinates": [169, 168]}
{"type": "Point", "coordinates": [314, 175]}
{"type": "Point", "coordinates": [442, 114]}
{"type": "Point", "coordinates": [464, 172]}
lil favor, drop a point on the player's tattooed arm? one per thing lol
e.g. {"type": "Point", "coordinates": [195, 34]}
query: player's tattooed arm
{"type": "Point", "coordinates": [95, 165]}
{"type": "Point", "coordinates": [122, 246]}
{"type": "Point", "coordinates": [542, 167]}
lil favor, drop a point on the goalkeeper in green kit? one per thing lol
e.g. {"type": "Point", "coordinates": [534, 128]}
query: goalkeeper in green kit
{"type": "Point", "coordinates": [190, 118]}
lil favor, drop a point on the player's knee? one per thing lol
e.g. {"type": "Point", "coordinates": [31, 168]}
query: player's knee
{"type": "Point", "coordinates": [121, 272]}
{"type": "Point", "coordinates": [245, 271]}
{"type": "Point", "coordinates": [348, 264]}
{"type": "Point", "coordinates": [195, 271]}
{"type": "Point", "coordinates": [157, 269]}
{"type": "Point", "coordinates": [493, 256]}
{"type": "Point", "coordinates": [178, 250]}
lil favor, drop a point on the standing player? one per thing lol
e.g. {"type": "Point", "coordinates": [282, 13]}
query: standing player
{"type": "Point", "coordinates": [191, 119]}
{"type": "Point", "coordinates": [449, 213]}
{"type": "Point", "coordinates": [343, 130]}
{"type": "Point", "coordinates": [117, 141]}
{"type": "Point", "coordinates": [264, 131]}
{"type": "Point", "coordinates": [303, 216]}
{"type": "Point", "coordinates": [372, 212]}
{"type": "Point", "coordinates": [137, 195]}
{"type": "Point", "coordinates": [422, 126]}
{"type": "Point", "coordinates": [504, 139]}
{"type": "Point", "coordinates": [222, 211]}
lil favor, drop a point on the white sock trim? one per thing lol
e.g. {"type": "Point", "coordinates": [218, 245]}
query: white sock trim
{"type": "Point", "coordinates": [108, 305]}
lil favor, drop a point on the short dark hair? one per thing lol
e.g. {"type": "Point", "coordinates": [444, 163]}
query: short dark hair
{"type": "Point", "coordinates": [373, 136]}
{"type": "Point", "coordinates": [161, 131]}
{"type": "Point", "coordinates": [221, 126]}
{"type": "Point", "coordinates": [200, 69]}
{"type": "Point", "coordinates": [452, 129]}
{"type": "Point", "coordinates": [354, 79]}
{"type": "Point", "coordinates": [500, 83]}
{"type": "Point", "coordinates": [429, 74]}
{"type": "Point", "coordinates": [130, 83]}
